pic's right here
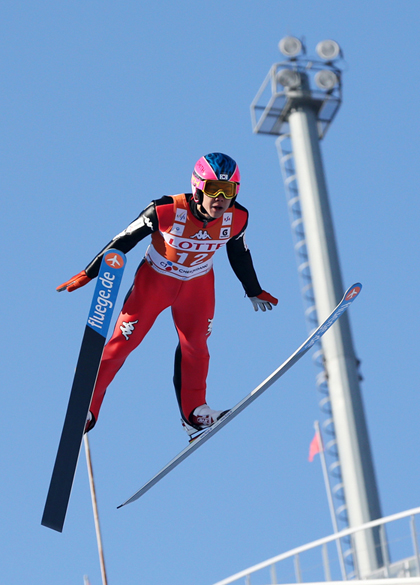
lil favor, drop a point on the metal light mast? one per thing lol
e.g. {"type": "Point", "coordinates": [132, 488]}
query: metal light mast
{"type": "Point", "coordinates": [297, 101]}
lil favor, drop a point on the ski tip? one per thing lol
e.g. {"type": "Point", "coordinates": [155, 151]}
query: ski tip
{"type": "Point", "coordinates": [353, 292]}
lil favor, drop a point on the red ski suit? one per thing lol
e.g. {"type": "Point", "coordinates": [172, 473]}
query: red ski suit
{"type": "Point", "coordinates": [176, 272]}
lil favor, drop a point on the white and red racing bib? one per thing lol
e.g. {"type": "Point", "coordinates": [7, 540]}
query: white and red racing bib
{"type": "Point", "coordinates": [182, 247]}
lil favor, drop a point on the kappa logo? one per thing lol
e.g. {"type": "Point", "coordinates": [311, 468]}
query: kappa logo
{"type": "Point", "coordinates": [202, 235]}
{"type": "Point", "coordinates": [137, 224]}
{"type": "Point", "coordinates": [210, 326]}
{"type": "Point", "coordinates": [128, 328]}
{"type": "Point", "coordinates": [114, 260]}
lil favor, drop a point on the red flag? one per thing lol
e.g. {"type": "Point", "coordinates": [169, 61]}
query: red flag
{"type": "Point", "coordinates": [315, 447]}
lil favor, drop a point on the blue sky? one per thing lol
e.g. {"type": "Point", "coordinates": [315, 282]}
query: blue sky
{"type": "Point", "coordinates": [105, 106]}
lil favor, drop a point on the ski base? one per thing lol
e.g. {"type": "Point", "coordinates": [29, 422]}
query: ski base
{"type": "Point", "coordinates": [104, 297]}
{"type": "Point", "coordinates": [73, 429]}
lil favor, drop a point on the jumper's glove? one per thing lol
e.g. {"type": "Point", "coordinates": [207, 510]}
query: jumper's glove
{"type": "Point", "coordinates": [263, 301]}
{"type": "Point", "coordinates": [76, 282]}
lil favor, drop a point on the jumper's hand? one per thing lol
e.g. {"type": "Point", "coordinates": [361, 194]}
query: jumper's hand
{"type": "Point", "coordinates": [263, 301]}
{"type": "Point", "coordinates": [76, 282]}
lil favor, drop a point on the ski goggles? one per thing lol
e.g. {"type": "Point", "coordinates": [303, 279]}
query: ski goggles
{"type": "Point", "coordinates": [214, 188]}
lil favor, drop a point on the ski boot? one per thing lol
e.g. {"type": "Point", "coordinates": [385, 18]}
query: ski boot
{"type": "Point", "coordinates": [201, 418]}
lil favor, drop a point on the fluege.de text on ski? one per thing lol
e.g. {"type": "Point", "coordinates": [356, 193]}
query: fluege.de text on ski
{"type": "Point", "coordinates": [103, 304]}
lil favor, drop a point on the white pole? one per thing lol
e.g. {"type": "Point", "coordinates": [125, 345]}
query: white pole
{"type": "Point", "coordinates": [350, 426]}
{"type": "Point", "coordinates": [95, 510]}
{"type": "Point", "coordinates": [330, 499]}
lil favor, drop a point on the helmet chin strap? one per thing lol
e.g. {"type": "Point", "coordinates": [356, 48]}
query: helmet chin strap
{"type": "Point", "coordinates": [198, 211]}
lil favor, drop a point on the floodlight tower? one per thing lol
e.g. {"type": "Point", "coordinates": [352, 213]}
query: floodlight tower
{"type": "Point", "coordinates": [297, 102]}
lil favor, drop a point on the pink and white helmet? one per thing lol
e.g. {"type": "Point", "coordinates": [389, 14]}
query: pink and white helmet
{"type": "Point", "coordinates": [215, 166]}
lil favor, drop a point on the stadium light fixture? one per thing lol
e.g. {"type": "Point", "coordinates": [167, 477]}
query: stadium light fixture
{"type": "Point", "coordinates": [288, 78]}
{"type": "Point", "coordinates": [326, 79]}
{"type": "Point", "coordinates": [290, 46]}
{"type": "Point", "coordinates": [328, 50]}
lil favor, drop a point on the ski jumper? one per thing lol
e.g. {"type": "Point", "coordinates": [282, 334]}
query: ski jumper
{"type": "Point", "coordinates": [176, 272]}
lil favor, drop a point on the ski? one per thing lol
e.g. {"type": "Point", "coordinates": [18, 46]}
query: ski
{"type": "Point", "coordinates": [346, 301]}
{"type": "Point", "coordinates": [99, 318]}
